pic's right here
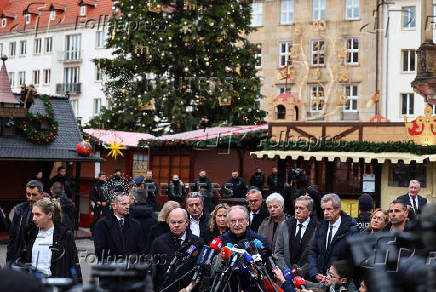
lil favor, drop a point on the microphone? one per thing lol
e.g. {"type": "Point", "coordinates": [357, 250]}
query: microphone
{"type": "Point", "coordinates": [288, 275]}
{"type": "Point", "coordinates": [229, 245]}
{"type": "Point", "coordinates": [200, 261]}
{"type": "Point", "coordinates": [265, 253]}
{"type": "Point", "coordinates": [300, 283]}
{"type": "Point", "coordinates": [225, 253]}
{"type": "Point", "coordinates": [192, 252]}
{"type": "Point", "coordinates": [297, 270]}
{"type": "Point", "coordinates": [215, 246]}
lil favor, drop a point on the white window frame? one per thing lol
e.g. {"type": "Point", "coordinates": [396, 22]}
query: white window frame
{"type": "Point", "coordinates": [100, 39]}
{"type": "Point", "coordinates": [75, 106]}
{"type": "Point", "coordinates": [409, 53]}
{"type": "Point", "coordinates": [12, 49]}
{"type": "Point", "coordinates": [318, 9]}
{"type": "Point", "coordinates": [72, 75]}
{"type": "Point", "coordinates": [37, 46]}
{"type": "Point", "coordinates": [410, 104]}
{"type": "Point", "coordinates": [21, 78]}
{"type": "Point", "coordinates": [96, 106]}
{"type": "Point", "coordinates": [11, 76]}
{"type": "Point", "coordinates": [52, 14]}
{"type": "Point", "coordinates": [317, 89]}
{"type": "Point", "coordinates": [36, 77]}
{"type": "Point", "coordinates": [353, 99]}
{"type": "Point", "coordinates": [258, 56]}
{"type": "Point", "coordinates": [48, 45]}
{"type": "Point", "coordinates": [73, 47]}
{"type": "Point", "coordinates": [351, 6]}
{"type": "Point", "coordinates": [82, 10]}
{"type": "Point", "coordinates": [27, 18]}
{"type": "Point", "coordinates": [256, 14]}
{"type": "Point", "coordinates": [4, 22]}
{"type": "Point", "coordinates": [46, 76]}
{"type": "Point", "coordinates": [319, 52]}
{"type": "Point", "coordinates": [285, 55]}
{"type": "Point", "coordinates": [408, 21]}
{"type": "Point", "coordinates": [283, 89]}
{"type": "Point", "coordinates": [351, 51]}
{"type": "Point", "coordinates": [23, 48]}
{"type": "Point", "coordinates": [98, 74]}
{"type": "Point", "coordinates": [287, 12]}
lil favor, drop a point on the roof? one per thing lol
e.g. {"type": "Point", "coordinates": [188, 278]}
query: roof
{"type": "Point", "coordinates": [63, 148]}
{"type": "Point", "coordinates": [129, 139]}
{"type": "Point", "coordinates": [6, 95]}
{"type": "Point", "coordinates": [67, 13]}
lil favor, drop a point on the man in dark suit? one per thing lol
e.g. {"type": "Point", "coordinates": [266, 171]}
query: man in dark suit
{"type": "Point", "coordinates": [170, 245]}
{"type": "Point", "coordinates": [117, 234]}
{"type": "Point", "coordinates": [294, 235]}
{"type": "Point", "coordinates": [258, 211]}
{"type": "Point", "coordinates": [198, 219]}
{"type": "Point", "coordinates": [330, 238]}
{"type": "Point", "coordinates": [414, 202]}
{"type": "Point", "coordinates": [235, 187]}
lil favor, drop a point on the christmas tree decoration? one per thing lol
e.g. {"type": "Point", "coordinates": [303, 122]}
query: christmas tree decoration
{"type": "Point", "coordinates": [84, 148]}
{"type": "Point", "coordinates": [115, 148]}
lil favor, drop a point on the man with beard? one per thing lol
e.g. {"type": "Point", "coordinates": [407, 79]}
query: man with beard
{"type": "Point", "coordinates": [151, 187]}
{"type": "Point", "coordinates": [22, 220]}
{"type": "Point", "coordinates": [176, 190]}
{"type": "Point", "coordinates": [235, 187]}
{"type": "Point", "coordinates": [202, 182]}
{"type": "Point", "coordinates": [257, 179]}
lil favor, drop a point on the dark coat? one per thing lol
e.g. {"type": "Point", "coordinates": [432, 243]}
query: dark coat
{"type": "Point", "coordinates": [97, 192]}
{"type": "Point", "coordinates": [235, 188]}
{"type": "Point", "coordinates": [212, 235]}
{"type": "Point", "coordinates": [157, 230]}
{"type": "Point", "coordinates": [176, 191]}
{"type": "Point", "coordinates": [273, 183]}
{"type": "Point", "coordinates": [204, 226]}
{"type": "Point", "coordinates": [152, 189]}
{"type": "Point", "coordinates": [259, 217]}
{"type": "Point", "coordinates": [203, 182]}
{"type": "Point", "coordinates": [319, 258]}
{"type": "Point", "coordinates": [257, 180]}
{"type": "Point", "coordinates": [20, 223]}
{"type": "Point", "coordinates": [68, 211]}
{"type": "Point", "coordinates": [249, 235]}
{"type": "Point", "coordinates": [64, 251]}
{"type": "Point", "coordinates": [363, 221]}
{"type": "Point", "coordinates": [163, 251]}
{"type": "Point", "coordinates": [421, 203]}
{"type": "Point", "coordinates": [109, 239]}
{"type": "Point", "coordinates": [66, 181]}
{"type": "Point", "coordinates": [143, 213]}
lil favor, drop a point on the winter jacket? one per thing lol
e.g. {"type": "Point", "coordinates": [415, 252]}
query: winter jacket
{"type": "Point", "coordinates": [143, 213]}
{"type": "Point", "coordinates": [204, 226]}
{"type": "Point", "coordinates": [257, 180]}
{"type": "Point", "coordinates": [20, 223]}
{"type": "Point", "coordinates": [176, 191]}
{"type": "Point", "coordinates": [319, 258]}
{"type": "Point", "coordinates": [267, 227]}
{"type": "Point", "coordinates": [66, 181]}
{"type": "Point", "coordinates": [203, 182]}
{"type": "Point", "coordinates": [259, 217]}
{"type": "Point", "coordinates": [363, 221]}
{"type": "Point", "coordinates": [152, 189]}
{"type": "Point", "coordinates": [97, 192]}
{"type": "Point", "coordinates": [235, 188]}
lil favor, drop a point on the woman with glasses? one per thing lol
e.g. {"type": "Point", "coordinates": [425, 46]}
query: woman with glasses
{"type": "Point", "coordinates": [50, 246]}
{"type": "Point", "coordinates": [268, 228]}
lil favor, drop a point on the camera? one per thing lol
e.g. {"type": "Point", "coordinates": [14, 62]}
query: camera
{"type": "Point", "coordinates": [295, 174]}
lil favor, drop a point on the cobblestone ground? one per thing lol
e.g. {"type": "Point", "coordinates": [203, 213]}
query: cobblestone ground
{"type": "Point", "coordinates": [84, 247]}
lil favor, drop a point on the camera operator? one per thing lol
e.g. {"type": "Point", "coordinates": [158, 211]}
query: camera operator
{"type": "Point", "coordinates": [296, 186]}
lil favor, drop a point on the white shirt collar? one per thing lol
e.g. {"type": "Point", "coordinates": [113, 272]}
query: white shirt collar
{"type": "Point", "coordinates": [119, 218]}
{"type": "Point", "coordinates": [255, 213]}
{"type": "Point", "coordinates": [183, 238]}
{"type": "Point", "coordinates": [305, 223]}
{"type": "Point", "coordinates": [337, 223]}
{"type": "Point", "coordinates": [46, 233]}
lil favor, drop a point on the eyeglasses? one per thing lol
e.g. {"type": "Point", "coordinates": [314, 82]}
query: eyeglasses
{"type": "Point", "coordinates": [240, 221]}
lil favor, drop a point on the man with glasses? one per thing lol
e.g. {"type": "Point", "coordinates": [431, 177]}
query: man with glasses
{"type": "Point", "coordinates": [22, 220]}
{"type": "Point", "coordinates": [258, 210]}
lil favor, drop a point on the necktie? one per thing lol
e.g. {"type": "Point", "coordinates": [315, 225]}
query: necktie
{"type": "Point", "coordinates": [122, 223]}
{"type": "Point", "coordinates": [414, 205]}
{"type": "Point", "coordinates": [330, 236]}
{"type": "Point", "coordinates": [298, 236]}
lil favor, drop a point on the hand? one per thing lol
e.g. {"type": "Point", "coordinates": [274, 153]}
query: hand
{"type": "Point", "coordinates": [103, 204]}
{"type": "Point", "coordinates": [279, 275]}
{"type": "Point", "coordinates": [320, 278]}
{"type": "Point", "coordinates": [98, 203]}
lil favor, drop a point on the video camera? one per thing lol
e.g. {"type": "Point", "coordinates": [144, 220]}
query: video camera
{"type": "Point", "coordinates": [295, 174]}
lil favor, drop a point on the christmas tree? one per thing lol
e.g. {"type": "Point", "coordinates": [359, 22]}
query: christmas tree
{"type": "Point", "coordinates": [180, 65]}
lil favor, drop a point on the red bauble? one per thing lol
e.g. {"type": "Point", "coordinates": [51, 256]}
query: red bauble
{"type": "Point", "coordinates": [84, 148]}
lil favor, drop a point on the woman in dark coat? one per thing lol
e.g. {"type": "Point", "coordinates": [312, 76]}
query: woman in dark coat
{"type": "Point", "coordinates": [50, 246]}
{"type": "Point", "coordinates": [218, 222]}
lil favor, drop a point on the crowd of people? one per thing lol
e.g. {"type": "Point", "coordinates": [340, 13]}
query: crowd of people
{"type": "Point", "coordinates": [311, 238]}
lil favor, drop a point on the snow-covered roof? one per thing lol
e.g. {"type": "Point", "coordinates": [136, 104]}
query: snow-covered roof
{"type": "Point", "coordinates": [129, 139]}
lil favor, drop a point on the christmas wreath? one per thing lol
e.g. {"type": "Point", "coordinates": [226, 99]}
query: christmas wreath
{"type": "Point", "coordinates": [32, 124]}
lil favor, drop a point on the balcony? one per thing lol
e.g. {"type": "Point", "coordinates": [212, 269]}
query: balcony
{"type": "Point", "coordinates": [350, 116]}
{"type": "Point", "coordinates": [71, 88]}
{"type": "Point", "coordinates": [69, 56]}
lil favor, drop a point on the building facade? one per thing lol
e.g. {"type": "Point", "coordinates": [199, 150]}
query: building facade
{"type": "Point", "coordinates": [52, 45]}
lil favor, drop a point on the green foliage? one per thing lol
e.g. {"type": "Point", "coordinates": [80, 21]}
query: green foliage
{"type": "Point", "coordinates": [188, 54]}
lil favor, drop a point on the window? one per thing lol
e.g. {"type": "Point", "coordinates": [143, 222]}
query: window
{"type": "Point", "coordinates": [434, 17]}
{"type": "Point", "coordinates": [82, 10]}
{"type": "Point", "coordinates": [352, 9]}
{"type": "Point", "coordinates": [256, 14]}
{"type": "Point", "coordinates": [318, 53]}
{"type": "Point", "coordinates": [100, 39]}
{"type": "Point", "coordinates": [4, 22]}
{"type": "Point", "coordinates": [75, 106]}
{"type": "Point", "coordinates": [23, 48]}
{"type": "Point", "coordinates": [351, 94]}
{"type": "Point", "coordinates": [47, 76]}
{"type": "Point", "coordinates": [27, 18]}
{"type": "Point", "coordinates": [35, 77]}
{"type": "Point", "coordinates": [401, 174]}
{"type": "Point", "coordinates": [1, 49]}
{"type": "Point", "coordinates": [52, 14]}
{"type": "Point", "coordinates": [72, 75]}
{"type": "Point", "coordinates": [37, 46]}
{"type": "Point", "coordinates": [97, 106]}
{"type": "Point", "coordinates": [287, 12]}
{"type": "Point", "coordinates": [409, 17]}
{"type": "Point", "coordinates": [408, 60]}
{"type": "Point", "coordinates": [317, 98]}
{"type": "Point", "coordinates": [352, 56]}
{"type": "Point", "coordinates": [48, 45]}
{"type": "Point", "coordinates": [280, 112]}
{"type": "Point", "coordinates": [285, 54]}
{"type": "Point", "coordinates": [284, 89]}
{"type": "Point", "coordinates": [434, 108]}
{"type": "Point", "coordinates": [319, 9]}
{"type": "Point", "coordinates": [11, 79]}
{"type": "Point", "coordinates": [72, 49]}
{"type": "Point", "coordinates": [12, 49]}
{"type": "Point", "coordinates": [258, 56]}
{"type": "Point", "coordinates": [21, 78]}
{"type": "Point", "coordinates": [407, 103]}
{"type": "Point", "coordinates": [98, 73]}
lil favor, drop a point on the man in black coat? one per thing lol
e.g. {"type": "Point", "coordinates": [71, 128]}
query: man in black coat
{"type": "Point", "coordinates": [22, 220]}
{"type": "Point", "coordinates": [67, 206]}
{"type": "Point", "coordinates": [198, 218]}
{"type": "Point", "coordinates": [117, 234]}
{"type": "Point", "coordinates": [414, 202]}
{"type": "Point", "coordinates": [202, 182]}
{"type": "Point", "coordinates": [176, 190]}
{"type": "Point", "coordinates": [257, 179]}
{"type": "Point", "coordinates": [258, 211]}
{"type": "Point", "coordinates": [66, 181]}
{"type": "Point", "coordinates": [273, 181]}
{"type": "Point", "coordinates": [294, 235]}
{"type": "Point", "coordinates": [329, 241]}
{"type": "Point", "coordinates": [143, 213]}
{"type": "Point", "coordinates": [101, 203]}
{"type": "Point", "coordinates": [169, 248]}
{"type": "Point", "coordinates": [366, 204]}
{"type": "Point", "coordinates": [235, 187]}
{"type": "Point", "coordinates": [152, 188]}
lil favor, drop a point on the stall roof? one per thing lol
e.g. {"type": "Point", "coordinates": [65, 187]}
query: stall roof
{"type": "Point", "coordinates": [129, 139]}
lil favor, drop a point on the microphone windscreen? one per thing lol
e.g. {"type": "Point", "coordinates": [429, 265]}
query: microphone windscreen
{"type": "Point", "coordinates": [229, 245]}
{"type": "Point", "coordinates": [216, 244]}
{"type": "Point", "coordinates": [258, 244]}
{"type": "Point", "coordinates": [299, 282]}
{"type": "Point", "coordinates": [288, 274]}
{"type": "Point", "coordinates": [226, 253]}
{"type": "Point", "coordinates": [192, 251]}
{"type": "Point", "coordinates": [202, 257]}
{"type": "Point", "coordinates": [248, 257]}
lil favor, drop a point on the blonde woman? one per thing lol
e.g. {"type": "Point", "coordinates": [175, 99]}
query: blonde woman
{"type": "Point", "coordinates": [379, 220]}
{"type": "Point", "coordinates": [218, 222]}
